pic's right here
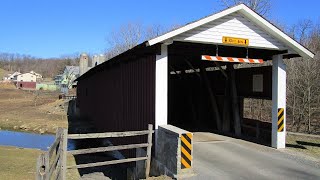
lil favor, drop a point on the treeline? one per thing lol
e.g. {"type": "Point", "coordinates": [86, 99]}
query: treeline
{"type": "Point", "coordinates": [303, 81]}
{"type": "Point", "coordinates": [48, 68]}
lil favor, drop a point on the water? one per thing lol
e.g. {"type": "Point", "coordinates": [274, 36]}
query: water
{"type": "Point", "coordinates": [28, 140]}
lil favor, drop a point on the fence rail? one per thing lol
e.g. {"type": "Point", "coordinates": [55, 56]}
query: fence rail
{"type": "Point", "coordinates": [62, 96]}
{"type": "Point", "coordinates": [52, 164]}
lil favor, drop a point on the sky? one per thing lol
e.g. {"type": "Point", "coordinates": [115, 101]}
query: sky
{"type": "Point", "coordinates": [53, 28]}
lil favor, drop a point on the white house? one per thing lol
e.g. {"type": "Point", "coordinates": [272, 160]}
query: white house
{"type": "Point", "coordinates": [38, 76]}
{"type": "Point", "coordinates": [26, 77]}
{"type": "Point", "coordinates": [11, 77]}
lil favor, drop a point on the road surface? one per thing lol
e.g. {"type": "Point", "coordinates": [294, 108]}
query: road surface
{"type": "Point", "coordinates": [219, 157]}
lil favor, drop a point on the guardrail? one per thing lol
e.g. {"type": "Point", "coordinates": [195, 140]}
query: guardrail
{"type": "Point", "coordinates": [52, 164]}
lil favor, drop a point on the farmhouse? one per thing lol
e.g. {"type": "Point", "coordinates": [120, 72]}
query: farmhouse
{"type": "Point", "coordinates": [26, 77]}
{"type": "Point", "coordinates": [190, 78]}
{"type": "Point", "coordinates": [11, 77]}
{"type": "Point", "coordinates": [66, 80]}
{"type": "Point", "coordinates": [25, 81]}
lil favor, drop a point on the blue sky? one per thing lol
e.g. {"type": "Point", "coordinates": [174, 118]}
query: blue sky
{"type": "Point", "coordinates": [51, 28]}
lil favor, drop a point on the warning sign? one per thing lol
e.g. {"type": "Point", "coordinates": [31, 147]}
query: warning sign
{"type": "Point", "coordinates": [235, 41]}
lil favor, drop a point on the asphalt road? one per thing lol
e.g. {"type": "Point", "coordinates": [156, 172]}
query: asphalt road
{"type": "Point", "coordinates": [217, 157]}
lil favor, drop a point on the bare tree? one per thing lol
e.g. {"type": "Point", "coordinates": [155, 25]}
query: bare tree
{"type": "Point", "coordinates": [130, 35]}
{"type": "Point", "coordinates": [126, 37]}
{"type": "Point", "coordinates": [303, 89]}
{"type": "Point", "coordinates": [260, 6]}
{"type": "Point", "coordinates": [26, 63]}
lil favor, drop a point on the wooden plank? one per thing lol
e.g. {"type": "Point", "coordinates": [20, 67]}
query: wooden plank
{"type": "Point", "coordinates": [110, 148]}
{"type": "Point", "coordinates": [64, 154]}
{"type": "Point", "coordinates": [107, 163]}
{"type": "Point", "coordinates": [150, 128]}
{"type": "Point", "coordinates": [58, 172]}
{"type": "Point", "coordinates": [53, 149]}
{"type": "Point", "coordinates": [55, 144]}
{"type": "Point", "coordinates": [54, 164]}
{"type": "Point", "coordinates": [47, 164]}
{"type": "Point", "coordinates": [40, 170]}
{"type": "Point", "coordinates": [108, 134]}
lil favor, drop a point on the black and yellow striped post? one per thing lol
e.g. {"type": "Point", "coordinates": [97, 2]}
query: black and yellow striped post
{"type": "Point", "coordinates": [280, 119]}
{"type": "Point", "coordinates": [186, 149]}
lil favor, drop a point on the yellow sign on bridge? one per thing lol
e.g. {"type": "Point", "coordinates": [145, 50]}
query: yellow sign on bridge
{"type": "Point", "coordinates": [235, 41]}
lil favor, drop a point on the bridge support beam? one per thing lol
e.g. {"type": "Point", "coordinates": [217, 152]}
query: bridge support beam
{"type": "Point", "coordinates": [278, 139]}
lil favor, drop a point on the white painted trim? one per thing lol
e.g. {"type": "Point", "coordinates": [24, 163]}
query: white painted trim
{"type": "Point", "coordinates": [278, 139]}
{"type": "Point", "coordinates": [161, 115]}
{"type": "Point", "coordinates": [257, 19]}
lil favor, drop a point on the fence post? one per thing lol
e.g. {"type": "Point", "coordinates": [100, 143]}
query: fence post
{"type": "Point", "coordinates": [42, 167]}
{"type": "Point", "coordinates": [150, 128]}
{"type": "Point", "coordinates": [63, 159]}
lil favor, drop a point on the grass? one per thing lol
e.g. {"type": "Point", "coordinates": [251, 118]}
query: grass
{"type": "Point", "coordinates": [307, 145]}
{"type": "Point", "coordinates": [24, 111]}
{"type": "Point", "coordinates": [17, 163]}
{"type": "Point", "coordinates": [20, 163]}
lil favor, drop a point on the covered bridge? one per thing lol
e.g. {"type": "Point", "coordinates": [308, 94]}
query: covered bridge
{"type": "Point", "coordinates": [189, 77]}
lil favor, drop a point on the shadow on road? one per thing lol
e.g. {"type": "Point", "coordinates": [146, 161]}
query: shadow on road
{"type": "Point", "coordinates": [296, 146]}
{"type": "Point", "coordinates": [308, 143]}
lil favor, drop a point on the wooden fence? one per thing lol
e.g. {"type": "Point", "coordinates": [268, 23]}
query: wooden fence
{"type": "Point", "coordinates": [69, 97]}
{"type": "Point", "coordinates": [52, 164]}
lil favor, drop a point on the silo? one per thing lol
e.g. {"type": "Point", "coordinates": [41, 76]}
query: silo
{"type": "Point", "coordinates": [95, 60]}
{"type": "Point", "coordinates": [84, 60]}
{"type": "Point", "coordinates": [102, 58]}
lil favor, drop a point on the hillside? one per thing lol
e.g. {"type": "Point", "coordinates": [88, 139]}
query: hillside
{"type": "Point", "coordinates": [2, 73]}
{"type": "Point", "coordinates": [39, 112]}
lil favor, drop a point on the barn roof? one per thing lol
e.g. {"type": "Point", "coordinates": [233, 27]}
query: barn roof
{"type": "Point", "coordinates": [248, 13]}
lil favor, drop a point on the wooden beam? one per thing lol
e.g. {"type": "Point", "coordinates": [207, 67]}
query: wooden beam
{"type": "Point", "coordinates": [107, 163]}
{"type": "Point", "coordinates": [235, 104]}
{"type": "Point", "coordinates": [42, 167]}
{"type": "Point", "coordinates": [105, 149]}
{"type": "Point", "coordinates": [213, 100]}
{"type": "Point", "coordinates": [108, 134]}
{"type": "Point", "coordinates": [63, 151]}
{"type": "Point", "coordinates": [220, 68]}
{"type": "Point", "coordinates": [190, 65]}
{"type": "Point", "coordinates": [226, 107]}
{"type": "Point", "coordinates": [53, 147]}
{"type": "Point", "coordinates": [148, 161]}
{"type": "Point", "coordinates": [54, 165]}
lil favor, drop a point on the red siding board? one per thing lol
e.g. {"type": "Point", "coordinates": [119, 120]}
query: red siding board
{"type": "Point", "coordinates": [26, 85]}
{"type": "Point", "coordinates": [120, 97]}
